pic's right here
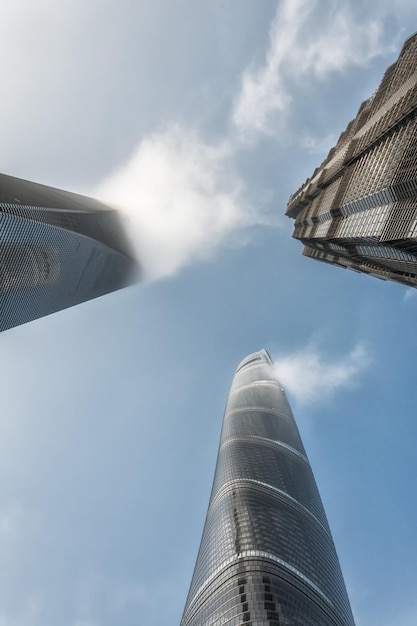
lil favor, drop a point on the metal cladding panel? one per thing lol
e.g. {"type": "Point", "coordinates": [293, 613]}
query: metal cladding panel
{"type": "Point", "coordinates": [266, 556]}
{"type": "Point", "coordinates": [51, 259]}
{"type": "Point", "coordinates": [374, 166]}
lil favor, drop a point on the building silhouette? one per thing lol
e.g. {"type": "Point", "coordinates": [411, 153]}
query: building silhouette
{"type": "Point", "coordinates": [57, 249]}
{"type": "Point", "coordinates": [359, 208]}
{"type": "Point", "coordinates": [266, 557]}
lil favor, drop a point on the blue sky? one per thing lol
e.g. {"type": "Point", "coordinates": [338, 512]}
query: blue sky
{"type": "Point", "coordinates": [198, 120]}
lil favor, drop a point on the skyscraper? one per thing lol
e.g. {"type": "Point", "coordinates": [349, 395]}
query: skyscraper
{"type": "Point", "coordinates": [57, 249]}
{"type": "Point", "coordinates": [266, 557]}
{"type": "Point", "coordinates": [359, 208]}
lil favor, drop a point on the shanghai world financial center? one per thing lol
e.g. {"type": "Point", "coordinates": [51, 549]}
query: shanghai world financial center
{"type": "Point", "coordinates": [57, 249]}
{"type": "Point", "coordinates": [266, 557]}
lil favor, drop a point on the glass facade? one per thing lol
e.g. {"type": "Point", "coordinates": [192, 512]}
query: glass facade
{"type": "Point", "coordinates": [364, 194]}
{"type": "Point", "coordinates": [57, 249]}
{"type": "Point", "coordinates": [266, 557]}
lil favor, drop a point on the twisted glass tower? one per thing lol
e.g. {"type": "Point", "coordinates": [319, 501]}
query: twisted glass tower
{"type": "Point", "coordinates": [266, 557]}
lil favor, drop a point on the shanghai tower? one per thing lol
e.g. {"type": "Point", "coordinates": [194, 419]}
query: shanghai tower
{"type": "Point", "coordinates": [266, 557]}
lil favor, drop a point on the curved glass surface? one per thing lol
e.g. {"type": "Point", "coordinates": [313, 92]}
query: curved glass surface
{"type": "Point", "coordinates": [58, 251]}
{"type": "Point", "coordinates": [266, 557]}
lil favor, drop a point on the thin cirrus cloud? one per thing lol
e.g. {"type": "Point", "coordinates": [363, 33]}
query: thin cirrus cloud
{"type": "Point", "coordinates": [181, 197]}
{"type": "Point", "coordinates": [311, 377]}
{"type": "Point", "coordinates": [409, 294]}
{"type": "Point", "coordinates": [304, 39]}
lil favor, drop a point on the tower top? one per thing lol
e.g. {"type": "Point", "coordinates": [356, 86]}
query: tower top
{"type": "Point", "coordinates": [262, 356]}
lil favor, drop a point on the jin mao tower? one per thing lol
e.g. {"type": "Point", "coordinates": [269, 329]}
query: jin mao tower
{"type": "Point", "coordinates": [266, 557]}
{"type": "Point", "coordinates": [359, 208]}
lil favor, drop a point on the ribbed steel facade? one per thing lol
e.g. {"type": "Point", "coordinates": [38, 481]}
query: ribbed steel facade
{"type": "Point", "coordinates": [57, 249]}
{"type": "Point", "coordinates": [266, 557]}
{"type": "Point", "coordinates": [359, 209]}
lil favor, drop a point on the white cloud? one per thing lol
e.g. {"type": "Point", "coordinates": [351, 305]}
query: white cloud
{"type": "Point", "coordinates": [311, 377]}
{"type": "Point", "coordinates": [409, 294]}
{"type": "Point", "coordinates": [263, 90]}
{"type": "Point", "coordinates": [304, 39]}
{"type": "Point", "coordinates": [182, 198]}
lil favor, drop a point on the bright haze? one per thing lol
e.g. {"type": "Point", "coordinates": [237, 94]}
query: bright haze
{"type": "Point", "coordinates": [197, 120]}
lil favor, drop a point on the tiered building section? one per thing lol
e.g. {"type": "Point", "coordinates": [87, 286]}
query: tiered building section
{"type": "Point", "coordinates": [57, 249]}
{"type": "Point", "coordinates": [266, 556]}
{"type": "Point", "coordinates": [359, 209]}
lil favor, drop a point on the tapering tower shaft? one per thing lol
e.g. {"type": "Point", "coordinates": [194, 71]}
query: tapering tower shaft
{"type": "Point", "coordinates": [266, 557]}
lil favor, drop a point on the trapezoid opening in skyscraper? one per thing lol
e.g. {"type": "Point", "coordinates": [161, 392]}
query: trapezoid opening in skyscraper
{"type": "Point", "coordinates": [57, 249]}
{"type": "Point", "coordinates": [266, 557]}
{"type": "Point", "coordinates": [359, 208]}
